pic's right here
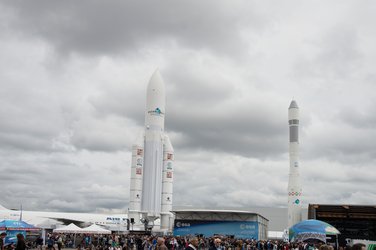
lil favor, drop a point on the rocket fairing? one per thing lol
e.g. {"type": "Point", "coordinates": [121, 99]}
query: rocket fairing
{"type": "Point", "coordinates": [155, 187]}
{"type": "Point", "coordinates": [294, 185]}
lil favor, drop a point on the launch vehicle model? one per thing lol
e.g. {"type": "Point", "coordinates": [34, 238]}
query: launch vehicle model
{"type": "Point", "coordinates": [152, 163]}
{"type": "Point", "coordinates": [294, 186]}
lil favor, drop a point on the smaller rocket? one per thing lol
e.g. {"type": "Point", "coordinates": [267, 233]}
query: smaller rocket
{"type": "Point", "coordinates": [294, 186]}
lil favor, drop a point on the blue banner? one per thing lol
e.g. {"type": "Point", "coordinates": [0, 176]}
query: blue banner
{"type": "Point", "coordinates": [12, 236]}
{"type": "Point", "coordinates": [239, 229]}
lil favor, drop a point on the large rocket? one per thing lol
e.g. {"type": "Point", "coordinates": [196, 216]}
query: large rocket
{"type": "Point", "coordinates": [294, 186]}
{"type": "Point", "coordinates": [152, 162]}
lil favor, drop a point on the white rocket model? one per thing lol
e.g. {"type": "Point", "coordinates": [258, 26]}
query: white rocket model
{"type": "Point", "coordinates": [294, 186]}
{"type": "Point", "coordinates": [152, 163]}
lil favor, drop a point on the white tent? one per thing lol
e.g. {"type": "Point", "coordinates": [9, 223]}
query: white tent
{"type": "Point", "coordinates": [71, 228]}
{"type": "Point", "coordinates": [95, 229]}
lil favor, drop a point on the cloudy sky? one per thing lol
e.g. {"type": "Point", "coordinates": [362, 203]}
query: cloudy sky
{"type": "Point", "coordinates": [73, 77]}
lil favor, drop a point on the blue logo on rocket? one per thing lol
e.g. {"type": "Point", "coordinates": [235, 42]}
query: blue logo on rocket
{"type": "Point", "coordinates": [157, 112]}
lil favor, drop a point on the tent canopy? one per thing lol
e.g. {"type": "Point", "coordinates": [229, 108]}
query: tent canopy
{"type": "Point", "coordinates": [71, 228]}
{"type": "Point", "coordinates": [17, 225]}
{"type": "Point", "coordinates": [311, 229]}
{"type": "Point", "coordinates": [95, 229]}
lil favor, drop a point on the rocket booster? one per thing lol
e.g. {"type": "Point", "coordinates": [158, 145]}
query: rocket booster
{"type": "Point", "coordinates": [294, 185]}
{"type": "Point", "coordinates": [167, 181]}
{"type": "Point", "coordinates": [136, 179]}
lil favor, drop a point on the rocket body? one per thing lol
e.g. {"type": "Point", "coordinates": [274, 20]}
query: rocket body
{"type": "Point", "coordinates": [294, 184]}
{"type": "Point", "coordinates": [153, 155]}
{"type": "Point", "coordinates": [155, 189]}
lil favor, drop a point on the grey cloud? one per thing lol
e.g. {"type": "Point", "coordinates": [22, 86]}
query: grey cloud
{"type": "Point", "coordinates": [100, 135]}
{"type": "Point", "coordinates": [340, 142]}
{"type": "Point", "coordinates": [230, 178]}
{"type": "Point", "coordinates": [248, 134]}
{"type": "Point", "coordinates": [340, 55]}
{"type": "Point", "coordinates": [61, 181]}
{"type": "Point", "coordinates": [95, 27]}
{"type": "Point", "coordinates": [359, 116]}
{"type": "Point", "coordinates": [197, 85]}
{"type": "Point", "coordinates": [69, 125]}
{"type": "Point", "coordinates": [331, 62]}
{"type": "Point", "coordinates": [21, 127]}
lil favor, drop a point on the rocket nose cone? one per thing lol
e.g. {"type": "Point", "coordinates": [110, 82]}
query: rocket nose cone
{"type": "Point", "coordinates": [156, 82]}
{"type": "Point", "coordinates": [155, 102]}
{"type": "Point", "coordinates": [293, 105]}
{"type": "Point", "coordinates": [168, 145]}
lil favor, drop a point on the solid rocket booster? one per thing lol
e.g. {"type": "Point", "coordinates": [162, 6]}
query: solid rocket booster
{"type": "Point", "coordinates": [136, 179]}
{"type": "Point", "coordinates": [294, 185]}
{"type": "Point", "coordinates": [152, 159]}
{"type": "Point", "coordinates": [167, 181]}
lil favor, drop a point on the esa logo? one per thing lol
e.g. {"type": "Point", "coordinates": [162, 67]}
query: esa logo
{"type": "Point", "coordinates": [182, 224]}
{"type": "Point", "coordinates": [245, 226]}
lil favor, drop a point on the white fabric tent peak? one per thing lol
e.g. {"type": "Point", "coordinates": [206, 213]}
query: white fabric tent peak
{"type": "Point", "coordinates": [71, 228]}
{"type": "Point", "coordinates": [95, 229]}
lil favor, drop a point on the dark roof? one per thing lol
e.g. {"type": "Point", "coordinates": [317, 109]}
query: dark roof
{"type": "Point", "coordinates": [317, 211]}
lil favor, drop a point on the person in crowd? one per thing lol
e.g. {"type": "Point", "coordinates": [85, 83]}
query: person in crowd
{"type": "Point", "coordinates": [2, 236]}
{"type": "Point", "coordinates": [358, 246]}
{"type": "Point", "coordinates": [39, 242]}
{"type": "Point", "coordinates": [59, 240]}
{"type": "Point", "coordinates": [325, 247]}
{"type": "Point", "coordinates": [50, 243]}
{"type": "Point", "coordinates": [20, 242]}
{"type": "Point", "coordinates": [216, 245]}
{"type": "Point", "coordinates": [161, 244]}
{"type": "Point", "coordinates": [193, 244]}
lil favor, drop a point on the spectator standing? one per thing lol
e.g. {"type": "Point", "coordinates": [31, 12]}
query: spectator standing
{"type": "Point", "coordinates": [217, 245]}
{"type": "Point", "coordinates": [2, 236]}
{"type": "Point", "coordinates": [358, 246]}
{"type": "Point", "coordinates": [20, 242]}
{"type": "Point", "coordinates": [59, 242]}
{"type": "Point", "coordinates": [193, 244]}
{"type": "Point", "coordinates": [39, 242]}
{"type": "Point", "coordinates": [50, 243]}
{"type": "Point", "coordinates": [161, 244]}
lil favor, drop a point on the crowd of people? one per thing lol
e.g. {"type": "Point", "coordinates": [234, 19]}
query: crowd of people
{"type": "Point", "coordinates": [147, 242]}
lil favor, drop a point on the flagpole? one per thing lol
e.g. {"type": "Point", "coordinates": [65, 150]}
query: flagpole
{"type": "Point", "coordinates": [21, 213]}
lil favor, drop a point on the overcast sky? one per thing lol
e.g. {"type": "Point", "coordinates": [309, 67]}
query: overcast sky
{"type": "Point", "coordinates": [73, 78]}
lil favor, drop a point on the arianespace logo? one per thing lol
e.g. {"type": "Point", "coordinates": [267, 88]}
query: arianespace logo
{"type": "Point", "coordinates": [156, 112]}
